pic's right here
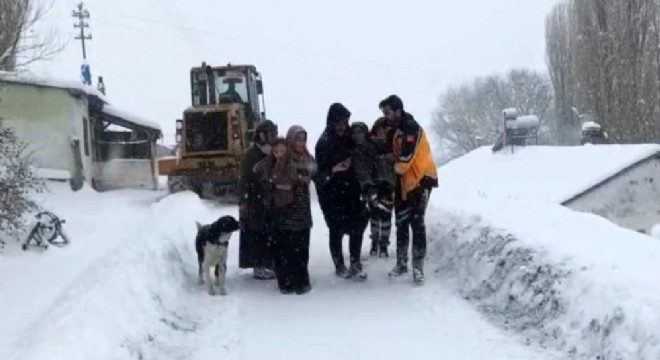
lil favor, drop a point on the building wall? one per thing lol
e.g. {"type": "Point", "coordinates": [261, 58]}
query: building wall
{"type": "Point", "coordinates": [631, 200]}
{"type": "Point", "coordinates": [46, 119]}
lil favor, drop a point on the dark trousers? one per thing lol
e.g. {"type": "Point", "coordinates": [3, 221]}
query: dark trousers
{"type": "Point", "coordinates": [354, 245]}
{"type": "Point", "coordinates": [255, 249]}
{"type": "Point", "coordinates": [409, 214]}
{"type": "Point", "coordinates": [380, 214]}
{"type": "Point", "coordinates": [291, 259]}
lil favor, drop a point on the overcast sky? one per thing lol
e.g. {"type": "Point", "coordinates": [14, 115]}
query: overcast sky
{"type": "Point", "coordinates": [310, 53]}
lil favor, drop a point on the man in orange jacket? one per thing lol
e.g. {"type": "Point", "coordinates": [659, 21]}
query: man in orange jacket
{"type": "Point", "coordinates": [416, 176]}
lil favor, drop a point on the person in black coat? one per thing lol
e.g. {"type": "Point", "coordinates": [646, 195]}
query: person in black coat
{"type": "Point", "coordinates": [339, 191]}
{"type": "Point", "coordinates": [254, 242]}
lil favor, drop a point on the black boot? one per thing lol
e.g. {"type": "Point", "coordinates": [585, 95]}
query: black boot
{"type": "Point", "coordinates": [341, 271]}
{"type": "Point", "coordinates": [356, 272]}
{"type": "Point", "coordinates": [304, 289]}
{"type": "Point", "coordinates": [398, 270]}
{"type": "Point", "coordinates": [374, 250]}
{"type": "Point", "coordinates": [382, 252]}
{"type": "Point", "coordinates": [418, 276]}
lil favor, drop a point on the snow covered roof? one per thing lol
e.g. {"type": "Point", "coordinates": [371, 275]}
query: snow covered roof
{"type": "Point", "coordinates": [590, 125]}
{"type": "Point", "coordinates": [510, 113]}
{"type": "Point", "coordinates": [550, 174]}
{"type": "Point", "coordinates": [24, 78]}
{"type": "Point", "coordinates": [523, 122]}
{"type": "Point", "coordinates": [113, 111]}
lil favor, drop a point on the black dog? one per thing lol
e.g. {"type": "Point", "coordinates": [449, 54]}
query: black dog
{"type": "Point", "coordinates": [211, 244]}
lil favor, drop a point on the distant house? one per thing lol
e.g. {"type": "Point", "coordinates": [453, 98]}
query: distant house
{"type": "Point", "coordinates": [618, 182]}
{"type": "Point", "coordinates": [72, 128]}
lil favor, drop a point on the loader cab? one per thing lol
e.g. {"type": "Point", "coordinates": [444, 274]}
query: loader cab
{"type": "Point", "coordinates": [231, 84]}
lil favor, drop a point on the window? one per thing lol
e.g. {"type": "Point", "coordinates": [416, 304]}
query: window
{"type": "Point", "coordinates": [86, 135]}
{"type": "Point", "coordinates": [233, 85]}
{"type": "Point", "coordinates": [254, 98]}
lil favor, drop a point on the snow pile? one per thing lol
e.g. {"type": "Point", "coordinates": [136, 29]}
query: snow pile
{"type": "Point", "coordinates": [655, 231]}
{"type": "Point", "coordinates": [140, 300]}
{"type": "Point", "coordinates": [571, 281]}
{"type": "Point", "coordinates": [550, 174]}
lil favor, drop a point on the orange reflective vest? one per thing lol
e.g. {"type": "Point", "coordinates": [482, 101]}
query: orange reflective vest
{"type": "Point", "coordinates": [414, 160]}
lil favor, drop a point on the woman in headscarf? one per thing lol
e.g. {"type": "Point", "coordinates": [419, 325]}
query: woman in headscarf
{"type": "Point", "coordinates": [288, 173]}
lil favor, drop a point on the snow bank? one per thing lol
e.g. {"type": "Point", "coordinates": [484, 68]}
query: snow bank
{"type": "Point", "coordinates": [571, 281]}
{"type": "Point", "coordinates": [655, 231]}
{"type": "Point", "coordinates": [141, 300]}
{"type": "Point", "coordinates": [568, 280]}
{"type": "Point", "coordinates": [550, 174]}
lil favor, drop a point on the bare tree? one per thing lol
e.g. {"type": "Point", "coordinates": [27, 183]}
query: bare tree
{"type": "Point", "coordinates": [603, 58]}
{"type": "Point", "coordinates": [20, 42]}
{"type": "Point", "coordinates": [560, 37]}
{"type": "Point", "coordinates": [470, 115]}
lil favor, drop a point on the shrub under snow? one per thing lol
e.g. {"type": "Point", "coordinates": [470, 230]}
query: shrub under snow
{"type": "Point", "coordinates": [17, 180]}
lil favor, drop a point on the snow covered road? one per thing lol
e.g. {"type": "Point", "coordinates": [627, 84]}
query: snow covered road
{"type": "Point", "coordinates": [141, 301]}
{"type": "Point", "coordinates": [380, 319]}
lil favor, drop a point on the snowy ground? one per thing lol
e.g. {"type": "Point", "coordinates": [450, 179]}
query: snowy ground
{"type": "Point", "coordinates": [126, 289]}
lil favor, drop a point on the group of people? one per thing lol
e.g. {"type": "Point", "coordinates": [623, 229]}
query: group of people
{"type": "Point", "coordinates": [361, 175]}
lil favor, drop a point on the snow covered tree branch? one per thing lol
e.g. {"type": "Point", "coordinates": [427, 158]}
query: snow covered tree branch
{"type": "Point", "coordinates": [21, 43]}
{"type": "Point", "coordinates": [17, 180]}
{"type": "Point", "coordinates": [471, 115]}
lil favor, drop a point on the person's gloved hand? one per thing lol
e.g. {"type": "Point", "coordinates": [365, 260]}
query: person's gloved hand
{"type": "Point", "coordinates": [373, 200]}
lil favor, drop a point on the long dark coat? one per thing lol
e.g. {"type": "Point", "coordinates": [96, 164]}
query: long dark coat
{"type": "Point", "coordinates": [253, 218]}
{"type": "Point", "coordinates": [339, 194]}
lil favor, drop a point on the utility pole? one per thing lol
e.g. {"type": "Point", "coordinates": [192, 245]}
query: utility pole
{"type": "Point", "coordinates": [81, 14]}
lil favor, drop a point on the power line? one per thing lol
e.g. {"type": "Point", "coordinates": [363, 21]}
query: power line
{"type": "Point", "coordinates": [322, 66]}
{"type": "Point", "coordinates": [281, 47]}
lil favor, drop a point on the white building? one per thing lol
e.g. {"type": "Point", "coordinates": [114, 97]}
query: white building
{"type": "Point", "coordinates": [72, 128]}
{"type": "Point", "coordinates": [618, 182]}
